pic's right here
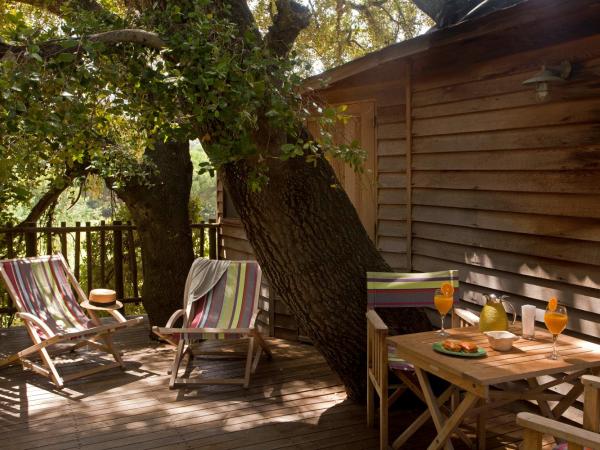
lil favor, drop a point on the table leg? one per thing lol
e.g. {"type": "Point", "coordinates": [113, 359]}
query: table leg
{"type": "Point", "coordinates": [481, 420]}
{"type": "Point", "coordinates": [454, 421]}
{"type": "Point", "coordinates": [420, 421]}
{"type": "Point", "coordinates": [568, 400]}
{"type": "Point", "coordinates": [434, 410]}
{"type": "Point", "coordinates": [543, 404]}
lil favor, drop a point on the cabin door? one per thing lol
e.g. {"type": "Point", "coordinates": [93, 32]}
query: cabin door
{"type": "Point", "coordinates": [360, 187]}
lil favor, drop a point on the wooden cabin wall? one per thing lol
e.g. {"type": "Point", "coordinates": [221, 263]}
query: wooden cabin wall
{"type": "Point", "coordinates": [234, 246]}
{"type": "Point", "coordinates": [506, 188]}
{"type": "Point", "coordinates": [386, 89]}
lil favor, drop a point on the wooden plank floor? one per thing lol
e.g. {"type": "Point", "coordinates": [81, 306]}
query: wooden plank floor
{"type": "Point", "coordinates": [294, 402]}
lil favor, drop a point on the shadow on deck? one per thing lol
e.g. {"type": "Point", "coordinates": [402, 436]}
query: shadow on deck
{"type": "Point", "coordinates": [294, 402]}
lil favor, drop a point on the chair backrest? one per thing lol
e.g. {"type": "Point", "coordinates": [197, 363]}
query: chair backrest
{"type": "Point", "coordinates": [407, 290]}
{"type": "Point", "coordinates": [233, 301]}
{"type": "Point", "coordinates": [41, 286]}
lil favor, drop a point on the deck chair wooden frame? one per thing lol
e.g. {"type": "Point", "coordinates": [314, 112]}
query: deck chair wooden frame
{"type": "Point", "coordinates": [589, 437]}
{"type": "Point", "coordinates": [378, 364]}
{"type": "Point", "coordinates": [185, 336]}
{"type": "Point", "coordinates": [46, 340]}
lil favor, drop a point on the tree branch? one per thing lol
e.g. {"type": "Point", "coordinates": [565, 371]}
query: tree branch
{"type": "Point", "coordinates": [56, 6]}
{"type": "Point", "coordinates": [53, 48]}
{"type": "Point", "coordinates": [50, 197]}
{"type": "Point", "coordinates": [290, 20]}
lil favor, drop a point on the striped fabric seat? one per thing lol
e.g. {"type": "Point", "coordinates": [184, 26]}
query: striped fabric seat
{"type": "Point", "coordinates": [42, 288]}
{"type": "Point", "coordinates": [228, 310]}
{"type": "Point", "coordinates": [406, 290]}
{"type": "Point", "coordinates": [396, 363]}
{"type": "Point", "coordinates": [230, 304]}
{"type": "Point", "coordinates": [46, 296]}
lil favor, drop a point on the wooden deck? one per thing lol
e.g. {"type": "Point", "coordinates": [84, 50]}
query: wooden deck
{"type": "Point", "coordinates": [294, 402]}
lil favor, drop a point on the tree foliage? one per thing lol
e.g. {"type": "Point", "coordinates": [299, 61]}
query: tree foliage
{"type": "Point", "coordinates": [342, 30]}
{"type": "Point", "coordinates": [78, 99]}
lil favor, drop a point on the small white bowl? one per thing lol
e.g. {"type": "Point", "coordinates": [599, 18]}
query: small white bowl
{"type": "Point", "coordinates": [501, 340]}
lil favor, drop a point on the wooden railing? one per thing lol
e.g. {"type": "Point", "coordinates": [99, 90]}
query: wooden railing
{"type": "Point", "coordinates": [100, 255]}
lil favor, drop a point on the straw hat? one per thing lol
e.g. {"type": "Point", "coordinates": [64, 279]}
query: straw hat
{"type": "Point", "coordinates": [102, 299]}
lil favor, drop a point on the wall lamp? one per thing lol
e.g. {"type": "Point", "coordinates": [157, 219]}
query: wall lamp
{"type": "Point", "coordinates": [547, 76]}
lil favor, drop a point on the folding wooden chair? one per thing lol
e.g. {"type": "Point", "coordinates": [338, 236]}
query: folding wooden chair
{"type": "Point", "coordinates": [45, 294]}
{"type": "Point", "coordinates": [395, 290]}
{"type": "Point", "coordinates": [589, 437]}
{"type": "Point", "coordinates": [228, 311]}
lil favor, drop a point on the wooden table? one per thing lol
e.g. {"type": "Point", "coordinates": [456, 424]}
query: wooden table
{"type": "Point", "coordinates": [488, 382]}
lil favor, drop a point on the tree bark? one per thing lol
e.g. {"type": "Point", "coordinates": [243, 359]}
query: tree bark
{"type": "Point", "coordinates": [315, 252]}
{"type": "Point", "coordinates": [159, 208]}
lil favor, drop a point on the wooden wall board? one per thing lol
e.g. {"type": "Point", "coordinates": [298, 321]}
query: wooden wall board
{"type": "Point", "coordinates": [563, 182]}
{"type": "Point", "coordinates": [533, 115]}
{"type": "Point", "coordinates": [556, 159]}
{"type": "Point", "coordinates": [397, 261]}
{"type": "Point", "coordinates": [393, 147]}
{"type": "Point", "coordinates": [557, 136]}
{"type": "Point", "coordinates": [585, 275]}
{"type": "Point", "coordinates": [548, 247]}
{"type": "Point", "coordinates": [572, 205]}
{"type": "Point", "coordinates": [584, 229]}
{"type": "Point", "coordinates": [588, 51]}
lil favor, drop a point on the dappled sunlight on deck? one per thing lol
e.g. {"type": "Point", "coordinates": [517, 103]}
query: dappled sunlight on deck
{"type": "Point", "coordinates": [294, 401]}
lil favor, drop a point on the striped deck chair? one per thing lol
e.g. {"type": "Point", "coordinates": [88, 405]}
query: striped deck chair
{"type": "Point", "coordinates": [228, 311]}
{"type": "Point", "coordinates": [395, 290]}
{"type": "Point", "coordinates": [45, 294]}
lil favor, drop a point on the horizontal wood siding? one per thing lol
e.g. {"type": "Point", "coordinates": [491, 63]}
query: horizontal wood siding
{"type": "Point", "coordinates": [505, 188]}
{"type": "Point", "coordinates": [391, 198]}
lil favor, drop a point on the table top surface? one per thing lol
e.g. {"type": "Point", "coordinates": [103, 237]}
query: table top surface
{"type": "Point", "coordinates": [526, 359]}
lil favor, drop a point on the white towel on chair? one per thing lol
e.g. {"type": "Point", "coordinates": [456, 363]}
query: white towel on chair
{"type": "Point", "coordinates": [204, 275]}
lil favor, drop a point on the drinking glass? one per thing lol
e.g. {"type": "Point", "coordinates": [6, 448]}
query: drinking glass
{"type": "Point", "coordinates": [443, 303]}
{"type": "Point", "coordinates": [528, 321]}
{"type": "Point", "coordinates": [556, 321]}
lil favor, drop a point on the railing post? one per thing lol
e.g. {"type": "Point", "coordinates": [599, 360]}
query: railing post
{"type": "Point", "coordinates": [30, 239]}
{"type": "Point", "coordinates": [63, 241]}
{"type": "Point", "coordinates": [89, 258]}
{"type": "Point", "coordinates": [77, 249]}
{"type": "Point", "coordinates": [102, 253]}
{"type": "Point", "coordinates": [212, 241]}
{"type": "Point", "coordinates": [49, 248]}
{"type": "Point", "coordinates": [118, 259]}
{"type": "Point", "coordinates": [9, 242]}
{"type": "Point", "coordinates": [132, 260]}
{"type": "Point", "coordinates": [202, 238]}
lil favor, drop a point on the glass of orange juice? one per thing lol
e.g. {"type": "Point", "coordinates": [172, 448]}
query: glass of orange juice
{"type": "Point", "coordinates": [443, 303]}
{"type": "Point", "coordinates": [555, 319]}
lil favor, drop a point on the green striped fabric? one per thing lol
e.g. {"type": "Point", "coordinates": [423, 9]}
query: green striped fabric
{"type": "Point", "coordinates": [393, 290]}
{"type": "Point", "coordinates": [230, 304]}
{"type": "Point", "coordinates": [41, 286]}
{"type": "Point", "coordinates": [406, 290]}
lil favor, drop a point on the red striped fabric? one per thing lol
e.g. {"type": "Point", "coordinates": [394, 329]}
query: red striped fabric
{"type": "Point", "coordinates": [231, 303]}
{"type": "Point", "coordinates": [42, 288]}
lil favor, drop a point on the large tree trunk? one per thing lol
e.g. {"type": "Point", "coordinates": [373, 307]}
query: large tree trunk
{"type": "Point", "coordinates": [159, 208]}
{"type": "Point", "coordinates": [314, 250]}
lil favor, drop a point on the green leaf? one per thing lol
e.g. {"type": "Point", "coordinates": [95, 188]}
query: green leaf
{"type": "Point", "coordinates": [65, 57]}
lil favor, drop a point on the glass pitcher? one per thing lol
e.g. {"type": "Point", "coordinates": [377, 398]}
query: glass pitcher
{"type": "Point", "coordinates": [493, 315]}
